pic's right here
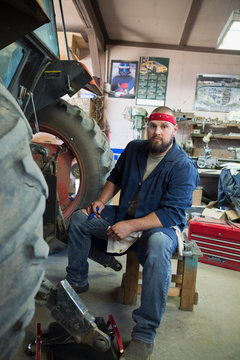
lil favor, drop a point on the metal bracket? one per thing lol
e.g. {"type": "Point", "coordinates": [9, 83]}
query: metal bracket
{"type": "Point", "coordinates": [36, 126]}
{"type": "Point", "coordinates": [70, 312]}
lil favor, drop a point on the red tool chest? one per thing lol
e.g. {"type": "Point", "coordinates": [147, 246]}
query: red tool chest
{"type": "Point", "coordinates": [219, 241]}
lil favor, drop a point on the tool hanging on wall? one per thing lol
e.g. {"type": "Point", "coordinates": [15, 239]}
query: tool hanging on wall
{"type": "Point", "coordinates": [236, 152]}
{"type": "Point", "coordinates": [138, 117]}
{"type": "Point", "coordinates": [207, 161]}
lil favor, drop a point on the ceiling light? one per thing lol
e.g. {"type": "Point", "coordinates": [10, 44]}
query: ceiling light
{"type": "Point", "coordinates": [230, 36]}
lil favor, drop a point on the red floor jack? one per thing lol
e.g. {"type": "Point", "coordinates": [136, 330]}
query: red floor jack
{"type": "Point", "coordinates": [76, 334]}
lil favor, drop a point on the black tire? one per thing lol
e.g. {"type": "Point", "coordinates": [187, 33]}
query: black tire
{"type": "Point", "coordinates": [89, 145]}
{"type": "Point", "coordinates": [22, 248]}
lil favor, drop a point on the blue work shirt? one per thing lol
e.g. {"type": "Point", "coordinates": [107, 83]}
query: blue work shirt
{"type": "Point", "coordinates": [167, 191]}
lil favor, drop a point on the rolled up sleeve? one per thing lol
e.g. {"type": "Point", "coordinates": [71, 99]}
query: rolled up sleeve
{"type": "Point", "coordinates": [178, 195]}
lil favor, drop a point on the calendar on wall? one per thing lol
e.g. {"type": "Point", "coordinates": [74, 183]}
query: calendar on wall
{"type": "Point", "coordinates": [152, 81]}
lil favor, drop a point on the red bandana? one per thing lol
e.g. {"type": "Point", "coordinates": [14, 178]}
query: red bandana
{"type": "Point", "coordinates": [162, 117]}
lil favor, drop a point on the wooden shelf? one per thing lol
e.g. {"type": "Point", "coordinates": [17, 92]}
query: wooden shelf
{"type": "Point", "coordinates": [224, 135]}
{"type": "Point", "coordinates": [219, 125]}
{"type": "Point", "coordinates": [217, 136]}
{"type": "Point", "coordinates": [214, 124]}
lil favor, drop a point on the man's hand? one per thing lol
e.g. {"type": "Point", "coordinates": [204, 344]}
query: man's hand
{"type": "Point", "coordinates": [93, 208]}
{"type": "Point", "coordinates": [108, 191]}
{"type": "Point", "coordinates": [120, 230]}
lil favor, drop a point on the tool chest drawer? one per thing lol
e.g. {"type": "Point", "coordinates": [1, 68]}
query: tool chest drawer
{"type": "Point", "coordinates": [219, 241]}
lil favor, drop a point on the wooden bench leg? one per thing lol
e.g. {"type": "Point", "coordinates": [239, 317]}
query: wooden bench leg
{"type": "Point", "coordinates": [187, 298]}
{"type": "Point", "coordinates": [185, 279]}
{"type": "Point", "coordinates": [131, 279]}
{"type": "Point", "coordinates": [180, 264]}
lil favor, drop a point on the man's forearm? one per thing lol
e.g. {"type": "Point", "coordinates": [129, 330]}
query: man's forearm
{"type": "Point", "coordinates": [123, 228]}
{"type": "Point", "coordinates": [145, 223]}
{"type": "Point", "coordinates": [108, 192]}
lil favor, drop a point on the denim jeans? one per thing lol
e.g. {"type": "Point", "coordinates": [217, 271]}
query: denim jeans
{"type": "Point", "coordinates": [154, 250]}
{"type": "Point", "coordinates": [81, 230]}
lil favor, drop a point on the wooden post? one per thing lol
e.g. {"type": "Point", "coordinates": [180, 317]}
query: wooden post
{"type": "Point", "coordinates": [131, 279]}
{"type": "Point", "coordinates": [189, 283]}
{"type": "Point", "coordinates": [188, 296]}
{"type": "Point", "coordinates": [180, 270]}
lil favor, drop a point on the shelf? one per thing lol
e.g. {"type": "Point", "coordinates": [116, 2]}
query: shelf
{"type": "Point", "coordinates": [213, 124]}
{"type": "Point", "coordinates": [219, 125]}
{"type": "Point", "coordinates": [217, 136]}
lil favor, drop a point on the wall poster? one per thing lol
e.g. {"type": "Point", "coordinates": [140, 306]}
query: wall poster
{"type": "Point", "coordinates": [123, 79]}
{"type": "Point", "coordinates": [217, 93]}
{"type": "Point", "coordinates": [152, 81]}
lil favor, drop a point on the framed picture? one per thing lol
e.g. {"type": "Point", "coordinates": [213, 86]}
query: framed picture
{"type": "Point", "coordinates": [216, 92]}
{"type": "Point", "coordinates": [123, 79]}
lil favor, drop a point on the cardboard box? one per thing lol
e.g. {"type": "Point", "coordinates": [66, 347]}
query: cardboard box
{"type": "Point", "coordinates": [115, 200]}
{"type": "Point", "coordinates": [232, 215]}
{"type": "Point", "coordinates": [197, 196]}
{"type": "Point", "coordinates": [214, 213]}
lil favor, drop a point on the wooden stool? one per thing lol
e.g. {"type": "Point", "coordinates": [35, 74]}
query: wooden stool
{"type": "Point", "coordinates": [185, 279]}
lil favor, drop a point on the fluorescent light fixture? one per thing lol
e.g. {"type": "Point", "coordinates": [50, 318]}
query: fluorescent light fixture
{"type": "Point", "coordinates": [229, 38]}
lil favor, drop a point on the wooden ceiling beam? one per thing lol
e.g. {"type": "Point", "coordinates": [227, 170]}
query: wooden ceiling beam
{"type": "Point", "coordinates": [99, 17]}
{"type": "Point", "coordinates": [90, 19]}
{"type": "Point", "coordinates": [191, 18]}
{"type": "Point", "coordinates": [172, 47]}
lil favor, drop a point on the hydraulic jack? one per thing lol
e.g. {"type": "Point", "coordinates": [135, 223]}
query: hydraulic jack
{"type": "Point", "coordinates": [76, 334]}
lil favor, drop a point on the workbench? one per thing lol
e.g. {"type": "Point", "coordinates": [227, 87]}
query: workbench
{"type": "Point", "coordinates": [209, 182]}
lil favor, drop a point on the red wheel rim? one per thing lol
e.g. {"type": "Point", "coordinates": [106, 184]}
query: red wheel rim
{"type": "Point", "coordinates": [38, 342]}
{"type": "Point", "coordinates": [72, 205]}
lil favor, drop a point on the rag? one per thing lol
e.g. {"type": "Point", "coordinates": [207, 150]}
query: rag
{"type": "Point", "coordinates": [179, 240]}
{"type": "Point", "coordinates": [119, 247]}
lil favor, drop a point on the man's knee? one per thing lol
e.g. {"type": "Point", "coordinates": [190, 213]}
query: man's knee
{"type": "Point", "coordinates": [159, 246]}
{"type": "Point", "coordinates": [77, 219]}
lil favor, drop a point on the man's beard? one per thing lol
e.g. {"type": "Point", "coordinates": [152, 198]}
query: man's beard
{"type": "Point", "coordinates": [156, 148]}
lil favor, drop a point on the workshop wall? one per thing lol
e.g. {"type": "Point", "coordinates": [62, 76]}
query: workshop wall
{"type": "Point", "coordinates": [183, 70]}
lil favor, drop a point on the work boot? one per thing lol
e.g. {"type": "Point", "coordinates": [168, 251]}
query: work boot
{"type": "Point", "coordinates": [80, 289]}
{"type": "Point", "coordinates": [114, 264]}
{"type": "Point", "coordinates": [137, 350]}
{"type": "Point", "coordinates": [106, 260]}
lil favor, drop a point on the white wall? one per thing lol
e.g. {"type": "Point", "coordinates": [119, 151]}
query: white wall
{"type": "Point", "coordinates": [183, 70]}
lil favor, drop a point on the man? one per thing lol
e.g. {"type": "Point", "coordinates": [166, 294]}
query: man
{"type": "Point", "coordinates": [156, 179]}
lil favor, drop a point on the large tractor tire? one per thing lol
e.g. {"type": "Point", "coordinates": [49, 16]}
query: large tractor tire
{"type": "Point", "coordinates": [22, 248]}
{"type": "Point", "coordinates": [88, 145]}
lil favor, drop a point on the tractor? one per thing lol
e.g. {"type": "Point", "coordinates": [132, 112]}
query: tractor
{"type": "Point", "coordinates": [54, 158]}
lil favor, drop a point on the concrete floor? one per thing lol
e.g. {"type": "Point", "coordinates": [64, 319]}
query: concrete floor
{"type": "Point", "coordinates": [211, 331]}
